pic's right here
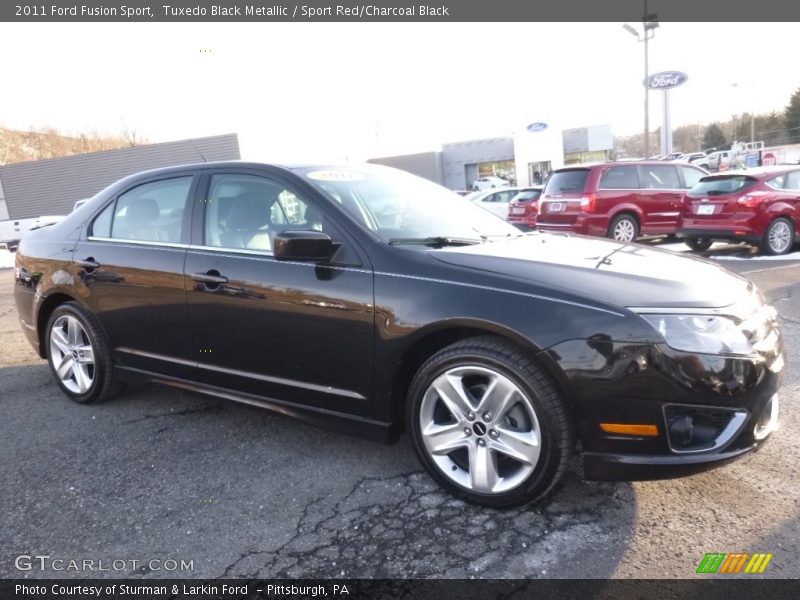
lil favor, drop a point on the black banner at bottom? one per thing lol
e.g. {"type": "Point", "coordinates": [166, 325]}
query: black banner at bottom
{"type": "Point", "coordinates": [358, 589]}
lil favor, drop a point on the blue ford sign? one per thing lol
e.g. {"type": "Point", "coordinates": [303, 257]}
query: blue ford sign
{"type": "Point", "coordinates": [666, 80]}
{"type": "Point", "coordinates": [534, 127]}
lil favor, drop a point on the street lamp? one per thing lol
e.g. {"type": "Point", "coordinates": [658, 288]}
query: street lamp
{"type": "Point", "coordinates": [649, 24]}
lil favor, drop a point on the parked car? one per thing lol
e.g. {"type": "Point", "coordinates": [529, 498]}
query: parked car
{"type": "Point", "coordinates": [716, 161]}
{"type": "Point", "coordinates": [494, 200]}
{"type": "Point", "coordinates": [488, 182]}
{"type": "Point", "coordinates": [691, 157]}
{"type": "Point", "coordinates": [620, 201]}
{"type": "Point", "coordinates": [672, 156]}
{"type": "Point", "coordinates": [281, 288]}
{"type": "Point", "coordinates": [463, 192]}
{"type": "Point", "coordinates": [524, 208]}
{"type": "Point", "coordinates": [760, 206]}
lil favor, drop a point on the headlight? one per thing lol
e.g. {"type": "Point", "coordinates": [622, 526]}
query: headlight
{"type": "Point", "coordinates": [703, 334]}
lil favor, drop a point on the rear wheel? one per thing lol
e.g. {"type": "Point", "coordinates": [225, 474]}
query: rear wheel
{"type": "Point", "coordinates": [778, 238]}
{"type": "Point", "coordinates": [79, 355]}
{"type": "Point", "coordinates": [487, 423]}
{"type": "Point", "coordinates": [624, 228]}
{"type": "Point", "coordinates": [698, 244]}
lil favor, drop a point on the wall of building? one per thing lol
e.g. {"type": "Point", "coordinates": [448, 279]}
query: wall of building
{"type": "Point", "coordinates": [423, 164]}
{"type": "Point", "coordinates": [537, 147]}
{"type": "Point", "coordinates": [52, 186]}
{"type": "Point", "coordinates": [460, 159]}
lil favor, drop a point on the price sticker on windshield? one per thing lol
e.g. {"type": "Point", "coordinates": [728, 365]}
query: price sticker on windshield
{"type": "Point", "coordinates": [336, 175]}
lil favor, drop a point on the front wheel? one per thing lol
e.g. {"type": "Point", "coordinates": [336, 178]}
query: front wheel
{"type": "Point", "coordinates": [698, 244]}
{"type": "Point", "coordinates": [487, 423]}
{"type": "Point", "coordinates": [79, 355]}
{"type": "Point", "coordinates": [778, 238]}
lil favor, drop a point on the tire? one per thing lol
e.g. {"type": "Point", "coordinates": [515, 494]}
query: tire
{"type": "Point", "coordinates": [79, 355]}
{"type": "Point", "coordinates": [698, 244]}
{"type": "Point", "coordinates": [535, 412]}
{"type": "Point", "coordinates": [624, 226]}
{"type": "Point", "coordinates": [778, 237]}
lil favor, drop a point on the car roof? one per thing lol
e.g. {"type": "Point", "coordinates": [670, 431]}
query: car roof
{"type": "Point", "coordinates": [612, 163]}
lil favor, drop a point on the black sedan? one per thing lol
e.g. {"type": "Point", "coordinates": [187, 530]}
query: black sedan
{"type": "Point", "coordinates": [370, 301]}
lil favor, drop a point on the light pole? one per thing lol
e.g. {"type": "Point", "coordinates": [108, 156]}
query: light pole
{"type": "Point", "coordinates": [649, 24]}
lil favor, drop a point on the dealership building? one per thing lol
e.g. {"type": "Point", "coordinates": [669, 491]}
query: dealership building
{"type": "Point", "coordinates": [524, 158]}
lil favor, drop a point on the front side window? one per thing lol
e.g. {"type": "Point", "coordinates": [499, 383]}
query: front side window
{"type": "Point", "coordinates": [617, 178]}
{"type": "Point", "coordinates": [246, 211]}
{"type": "Point", "coordinates": [152, 212]}
{"type": "Point", "coordinates": [691, 176]}
{"type": "Point", "coordinates": [793, 180]}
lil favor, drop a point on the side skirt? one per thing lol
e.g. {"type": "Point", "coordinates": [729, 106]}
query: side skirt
{"type": "Point", "coordinates": [374, 431]}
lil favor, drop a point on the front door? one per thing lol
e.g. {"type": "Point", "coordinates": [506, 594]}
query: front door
{"type": "Point", "coordinates": [299, 332]}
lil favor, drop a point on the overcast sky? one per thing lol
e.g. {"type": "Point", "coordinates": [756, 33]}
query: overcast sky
{"type": "Point", "coordinates": [300, 91]}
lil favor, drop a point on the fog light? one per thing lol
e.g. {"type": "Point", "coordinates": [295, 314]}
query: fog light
{"type": "Point", "coordinates": [701, 428]}
{"type": "Point", "coordinates": [681, 431]}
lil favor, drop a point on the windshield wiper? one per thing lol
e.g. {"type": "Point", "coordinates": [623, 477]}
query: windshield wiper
{"type": "Point", "coordinates": [437, 240]}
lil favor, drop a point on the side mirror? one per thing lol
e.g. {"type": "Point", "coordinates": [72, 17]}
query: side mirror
{"type": "Point", "coordinates": [313, 246]}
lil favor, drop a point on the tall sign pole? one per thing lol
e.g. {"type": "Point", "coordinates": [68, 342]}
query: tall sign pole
{"type": "Point", "coordinates": [665, 81]}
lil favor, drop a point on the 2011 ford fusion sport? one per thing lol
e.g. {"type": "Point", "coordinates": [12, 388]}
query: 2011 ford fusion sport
{"type": "Point", "coordinates": [366, 300]}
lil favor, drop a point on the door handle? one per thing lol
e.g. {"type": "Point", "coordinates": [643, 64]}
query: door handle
{"type": "Point", "coordinates": [211, 278]}
{"type": "Point", "coordinates": [89, 264]}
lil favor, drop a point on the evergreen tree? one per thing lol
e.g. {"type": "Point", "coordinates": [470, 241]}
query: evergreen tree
{"type": "Point", "coordinates": [713, 137]}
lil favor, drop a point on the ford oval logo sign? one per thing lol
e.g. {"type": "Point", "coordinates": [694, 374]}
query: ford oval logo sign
{"type": "Point", "coordinates": [666, 80]}
{"type": "Point", "coordinates": [534, 127]}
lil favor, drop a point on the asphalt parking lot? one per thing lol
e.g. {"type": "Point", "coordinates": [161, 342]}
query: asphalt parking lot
{"type": "Point", "coordinates": [159, 475]}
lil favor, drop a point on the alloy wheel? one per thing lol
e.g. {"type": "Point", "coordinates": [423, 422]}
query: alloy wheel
{"type": "Point", "coordinates": [72, 354]}
{"type": "Point", "coordinates": [480, 429]}
{"type": "Point", "coordinates": [624, 231]}
{"type": "Point", "coordinates": [779, 237]}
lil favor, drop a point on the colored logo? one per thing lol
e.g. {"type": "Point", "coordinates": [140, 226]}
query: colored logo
{"type": "Point", "coordinates": [534, 127]}
{"type": "Point", "coordinates": [666, 80]}
{"type": "Point", "coordinates": [741, 562]}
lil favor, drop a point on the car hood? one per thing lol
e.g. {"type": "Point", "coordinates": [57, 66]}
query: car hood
{"type": "Point", "coordinates": [630, 275]}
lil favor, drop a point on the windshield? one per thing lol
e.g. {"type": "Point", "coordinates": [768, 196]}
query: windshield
{"type": "Point", "coordinates": [396, 205]}
{"type": "Point", "coordinates": [721, 184]}
{"type": "Point", "coordinates": [567, 181]}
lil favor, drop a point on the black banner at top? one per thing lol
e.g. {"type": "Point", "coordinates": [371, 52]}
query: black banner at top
{"type": "Point", "coordinates": [431, 11]}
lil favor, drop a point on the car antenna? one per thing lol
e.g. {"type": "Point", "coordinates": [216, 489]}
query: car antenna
{"type": "Point", "coordinates": [191, 141]}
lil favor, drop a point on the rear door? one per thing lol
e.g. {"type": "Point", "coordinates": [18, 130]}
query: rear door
{"type": "Point", "coordinates": [560, 203]}
{"type": "Point", "coordinates": [131, 263]}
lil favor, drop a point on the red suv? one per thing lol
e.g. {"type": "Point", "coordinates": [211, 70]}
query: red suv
{"type": "Point", "coordinates": [524, 207]}
{"type": "Point", "coordinates": [760, 206]}
{"type": "Point", "coordinates": [618, 200]}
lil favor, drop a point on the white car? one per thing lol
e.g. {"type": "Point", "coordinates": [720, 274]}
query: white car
{"type": "Point", "coordinates": [489, 182]}
{"type": "Point", "coordinates": [495, 201]}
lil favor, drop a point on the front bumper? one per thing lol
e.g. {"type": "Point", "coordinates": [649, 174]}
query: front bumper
{"type": "Point", "coordinates": [645, 384]}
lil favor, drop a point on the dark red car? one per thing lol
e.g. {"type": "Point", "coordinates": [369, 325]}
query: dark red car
{"type": "Point", "coordinates": [617, 200]}
{"type": "Point", "coordinates": [524, 207]}
{"type": "Point", "coordinates": [760, 206]}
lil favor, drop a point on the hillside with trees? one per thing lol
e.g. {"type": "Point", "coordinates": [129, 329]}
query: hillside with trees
{"type": "Point", "coordinates": [21, 146]}
{"type": "Point", "coordinates": [774, 129]}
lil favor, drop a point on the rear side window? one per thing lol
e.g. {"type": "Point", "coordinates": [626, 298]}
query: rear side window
{"type": "Point", "coordinates": [722, 184]}
{"type": "Point", "coordinates": [527, 196]}
{"type": "Point", "coordinates": [659, 177]}
{"type": "Point", "coordinates": [151, 212]}
{"type": "Point", "coordinates": [623, 177]}
{"type": "Point", "coordinates": [572, 180]}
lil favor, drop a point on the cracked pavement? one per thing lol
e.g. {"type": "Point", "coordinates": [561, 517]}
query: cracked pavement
{"type": "Point", "coordinates": [164, 474]}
